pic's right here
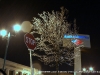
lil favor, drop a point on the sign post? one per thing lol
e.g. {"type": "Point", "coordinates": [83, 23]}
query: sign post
{"type": "Point", "coordinates": [80, 41]}
{"type": "Point", "coordinates": [31, 66]}
{"type": "Point", "coordinates": [30, 43]}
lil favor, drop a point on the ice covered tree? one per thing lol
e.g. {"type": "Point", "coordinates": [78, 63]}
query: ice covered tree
{"type": "Point", "coordinates": [52, 48]}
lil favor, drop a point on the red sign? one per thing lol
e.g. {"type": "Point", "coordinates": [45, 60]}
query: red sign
{"type": "Point", "coordinates": [29, 41]}
{"type": "Point", "coordinates": [77, 42]}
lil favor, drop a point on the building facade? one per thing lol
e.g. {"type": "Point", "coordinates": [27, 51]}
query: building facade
{"type": "Point", "coordinates": [12, 68]}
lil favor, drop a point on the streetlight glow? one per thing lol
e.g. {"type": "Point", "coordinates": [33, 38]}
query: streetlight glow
{"type": "Point", "coordinates": [3, 33]}
{"type": "Point", "coordinates": [17, 27]}
{"type": "Point", "coordinates": [39, 72]}
{"type": "Point", "coordinates": [84, 69]}
{"type": "Point", "coordinates": [91, 68]}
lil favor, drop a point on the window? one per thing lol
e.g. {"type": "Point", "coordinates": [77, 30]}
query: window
{"type": "Point", "coordinates": [11, 72]}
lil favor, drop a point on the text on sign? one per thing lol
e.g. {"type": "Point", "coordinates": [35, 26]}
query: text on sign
{"type": "Point", "coordinates": [30, 41]}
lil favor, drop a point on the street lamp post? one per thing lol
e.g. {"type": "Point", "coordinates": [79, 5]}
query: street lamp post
{"type": "Point", "coordinates": [3, 33]}
{"type": "Point", "coordinates": [8, 39]}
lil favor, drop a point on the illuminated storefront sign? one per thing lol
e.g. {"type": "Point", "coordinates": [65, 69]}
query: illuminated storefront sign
{"type": "Point", "coordinates": [78, 39]}
{"type": "Point", "coordinates": [77, 36]}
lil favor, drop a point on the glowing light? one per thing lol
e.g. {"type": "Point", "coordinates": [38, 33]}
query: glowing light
{"type": "Point", "coordinates": [3, 33]}
{"type": "Point", "coordinates": [84, 69]}
{"type": "Point", "coordinates": [91, 68]}
{"type": "Point", "coordinates": [16, 72]}
{"type": "Point", "coordinates": [17, 27]}
{"type": "Point", "coordinates": [39, 72]}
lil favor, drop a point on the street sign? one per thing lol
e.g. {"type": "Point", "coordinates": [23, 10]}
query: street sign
{"type": "Point", "coordinates": [29, 41]}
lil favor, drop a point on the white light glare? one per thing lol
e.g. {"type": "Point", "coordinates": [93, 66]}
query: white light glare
{"type": "Point", "coordinates": [39, 72]}
{"type": "Point", "coordinates": [17, 27]}
{"type": "Point", "coordinates": [3, 33]}
{"type": "Point", "coordinates": [84, 69]}
{"type": "Point", "coordinates": [91, 68]}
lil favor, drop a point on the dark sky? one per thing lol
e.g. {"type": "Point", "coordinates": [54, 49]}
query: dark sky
{"type": "Point", "coordinates": [87, 14]}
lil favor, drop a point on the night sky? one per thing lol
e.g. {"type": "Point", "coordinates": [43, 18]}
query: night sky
{"type": "Point", "coordinates": [87, 14]}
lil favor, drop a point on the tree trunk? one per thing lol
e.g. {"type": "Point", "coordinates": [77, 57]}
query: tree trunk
{"type": "Point", "coordinates": [57, 68]}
